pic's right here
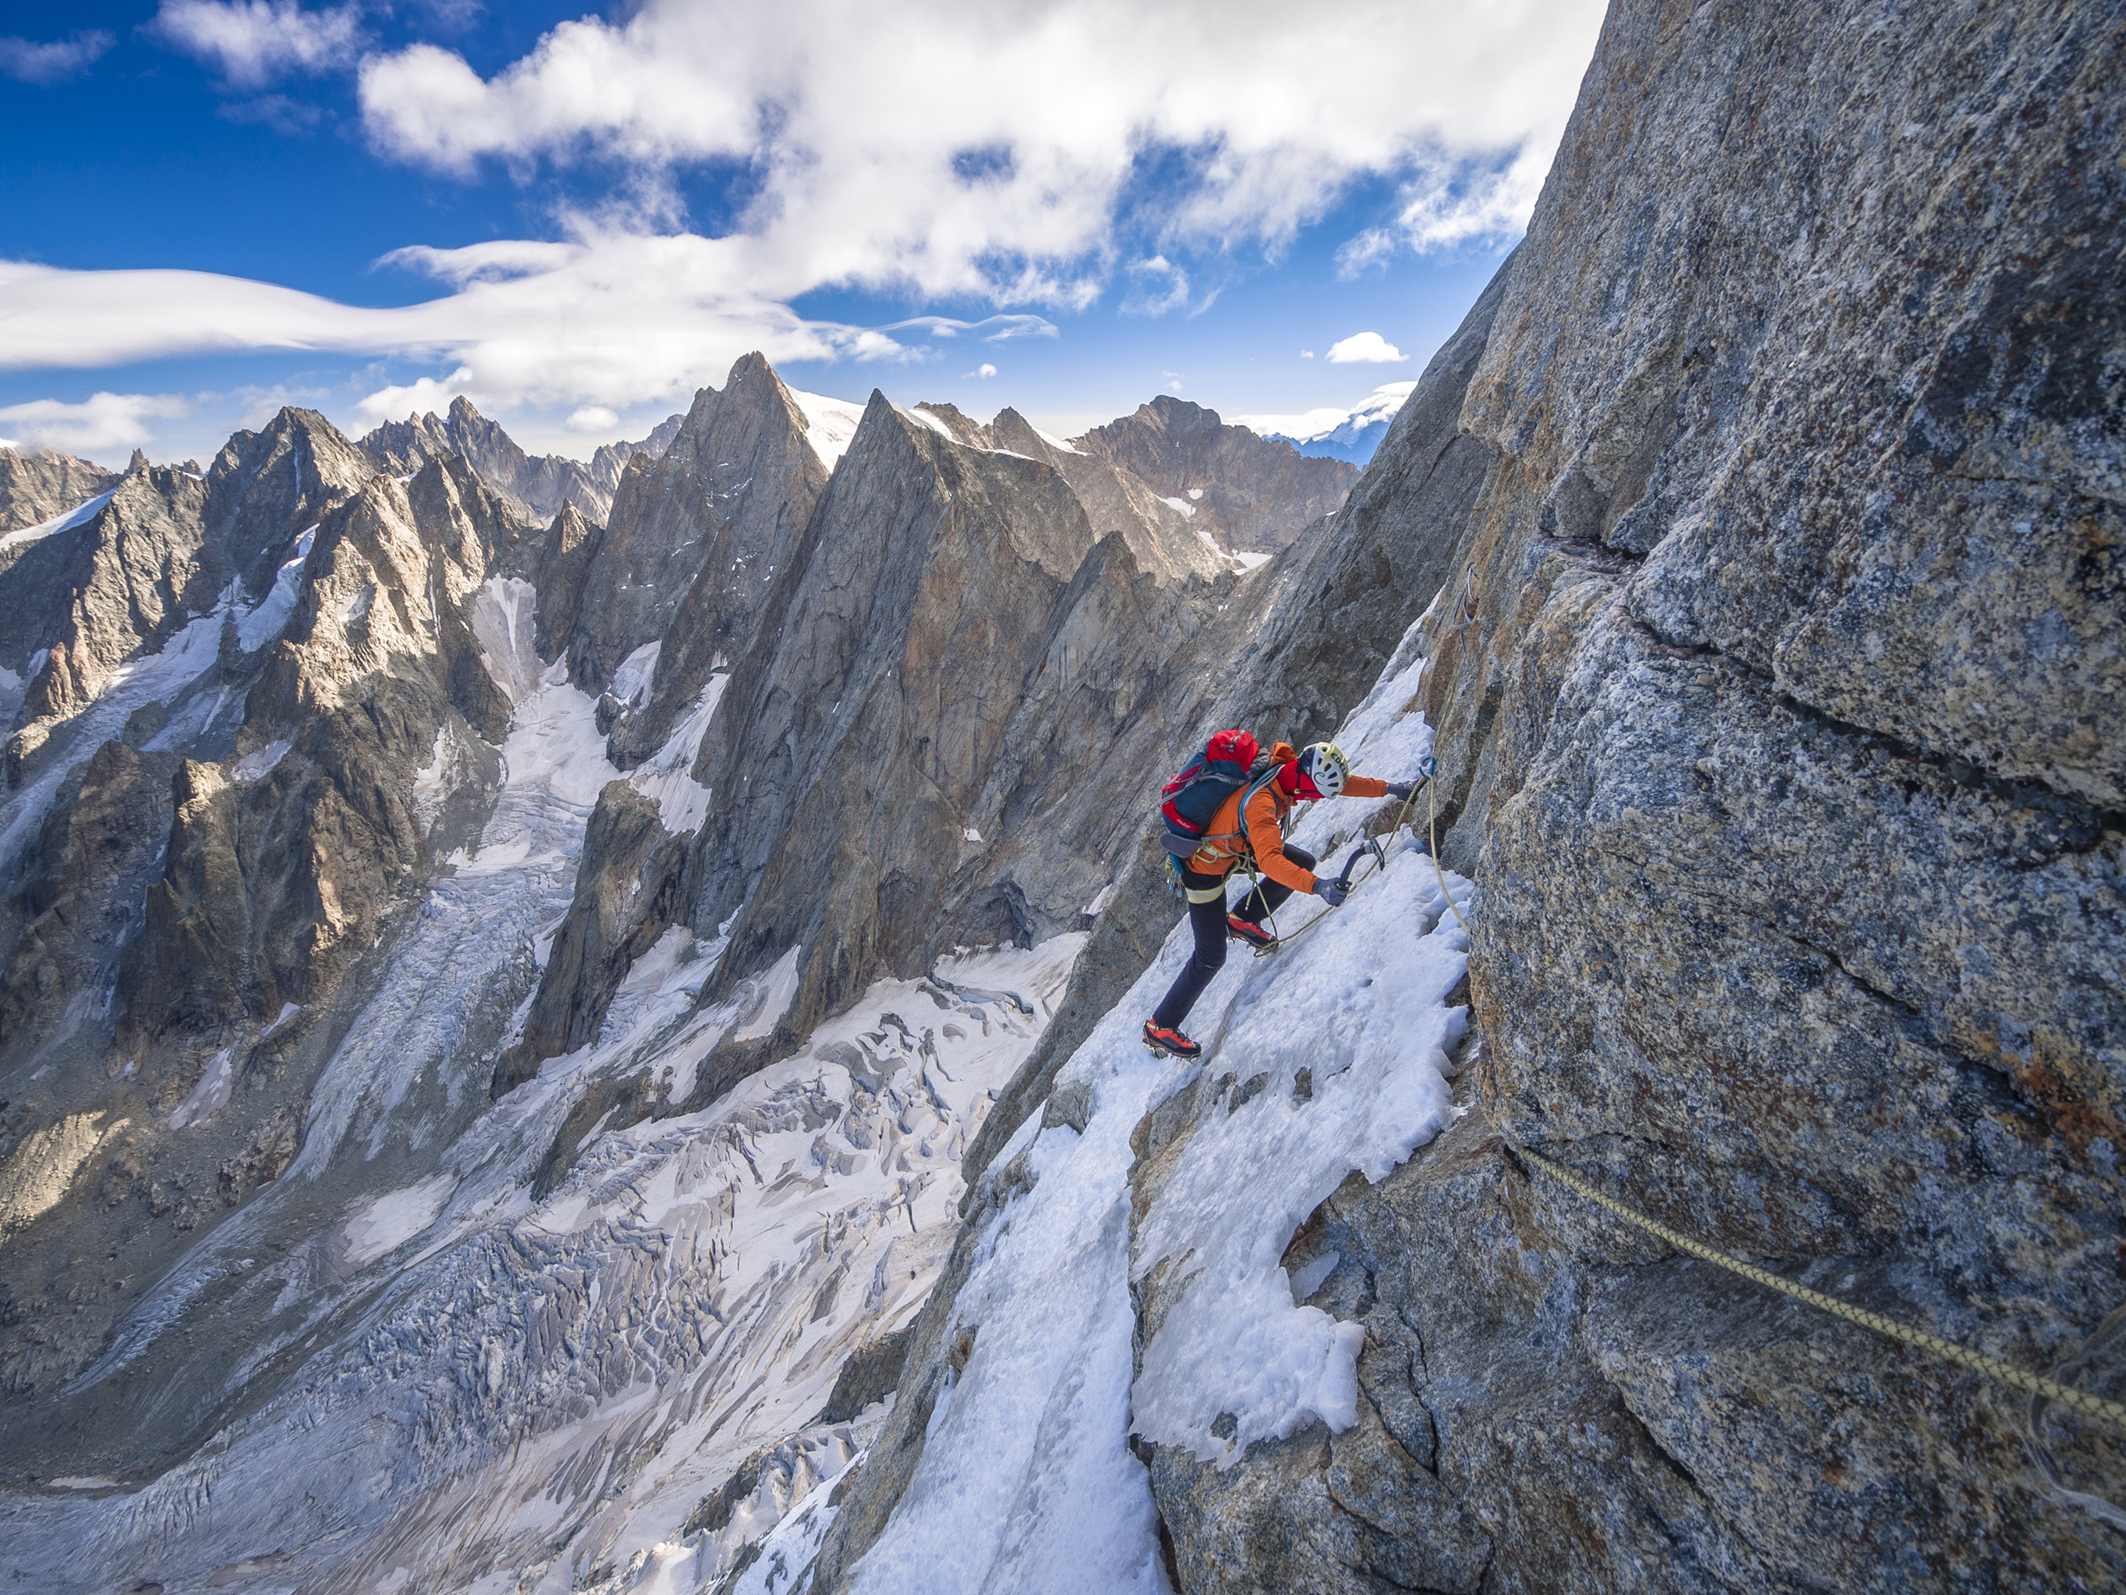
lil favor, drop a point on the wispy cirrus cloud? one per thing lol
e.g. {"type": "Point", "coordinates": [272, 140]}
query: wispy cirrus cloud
{"type": "Point", "coordinates": [256, 42]}
{"type": "Point", "coordinates": [54, 61]}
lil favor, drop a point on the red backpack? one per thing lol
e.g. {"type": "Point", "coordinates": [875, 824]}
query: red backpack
{"type": "Point", "coordinates": [1191, 799]}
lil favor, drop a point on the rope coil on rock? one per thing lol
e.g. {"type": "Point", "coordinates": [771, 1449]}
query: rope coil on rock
{"type": "Point", "coordinates": [2081, 1401]}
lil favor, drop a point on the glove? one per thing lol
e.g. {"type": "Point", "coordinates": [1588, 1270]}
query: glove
{"type": "Point", "coordinates": [1401, 790]}
{"type": "Point", "coordinates": [1331, 892]}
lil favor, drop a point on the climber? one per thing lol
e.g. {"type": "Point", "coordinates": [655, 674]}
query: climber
{"type": "Point", "coordinates": [1249, 828]}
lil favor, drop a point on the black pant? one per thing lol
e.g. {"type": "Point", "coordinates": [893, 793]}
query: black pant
{"type": "Point", "coordinates": [1207, 919]}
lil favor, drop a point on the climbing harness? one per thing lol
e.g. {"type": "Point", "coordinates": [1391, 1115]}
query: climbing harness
{"type": "Point", "coordinates": [2082, 1401]}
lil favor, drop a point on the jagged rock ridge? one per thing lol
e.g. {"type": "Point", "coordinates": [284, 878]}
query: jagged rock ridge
{"type": "Point", "coordinates": [535, 487]}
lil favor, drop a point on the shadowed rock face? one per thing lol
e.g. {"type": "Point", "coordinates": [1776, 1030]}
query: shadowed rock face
{"type": "Point", "coordinates": [691, 549]}
{"type": "Point", "coordinates": [66, 920]}
{"type": "Point", "coordinates": [1247, 492]}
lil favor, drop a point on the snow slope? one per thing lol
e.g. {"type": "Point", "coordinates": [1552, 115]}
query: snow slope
{"type": "Point", "coordinates": [1026, 1481]}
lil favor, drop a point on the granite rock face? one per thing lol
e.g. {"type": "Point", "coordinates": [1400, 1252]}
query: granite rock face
{"type": "Point", "coordinates": [691, 548]}
{"type": "Point", "coordinates": [84, 601]}
{"type": "Point", "coordinates": [1774, 668]}
{"type": "Point", "coordinates": [36, 485]}
{"type": "Point", "coordinates": [1160, 536]}
{"type": "Point", "coordinates": [277, 878]}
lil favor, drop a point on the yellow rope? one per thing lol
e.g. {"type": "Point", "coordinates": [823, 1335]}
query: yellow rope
{"type": "Point", "coordinates": [2052, 1390]}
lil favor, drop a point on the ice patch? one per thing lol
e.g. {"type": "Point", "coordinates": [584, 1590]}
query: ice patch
{"type": "Point", "coordinates": [1195, 492]}
{"type": "Point", "coordinates": [1056, 443]}
{"type": "Point", "coordinates": [79, 515]}
{"type": "Point", "coordinates": [631, 682]}
{"type": "Point", "coordinates": [829, 424]}
{"type": "Point", "coordinates": [503, 615]}
{"type": "Point", "coordinates": [211, 1095]}
{"type": "Point", "coordinates": [924, 418]}
{"type": "Point", "coordinates": [264, 622]}
{"type": "Point", "coordinates": [768, 997]}
{"type": "Point", "coordinates": [431, 787]}
{"type": "Point", "coordinates": [667, 778]}
{"type": "Point", "coordinates": [385, 1223]}
{"type": "Point", "coordinates": [1247, 559]}
{"type": "Point", "coordinates": [1186, 508]}
{"type": "Point", "coordinates": [255, 764]}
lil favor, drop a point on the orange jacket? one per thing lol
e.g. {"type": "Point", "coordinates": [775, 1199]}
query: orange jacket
{"type": "Point", "coordinates": [1263, 835]}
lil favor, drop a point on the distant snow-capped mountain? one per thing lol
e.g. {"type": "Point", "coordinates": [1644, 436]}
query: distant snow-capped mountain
{"type": "Point", "coordinates": [1329, 433]}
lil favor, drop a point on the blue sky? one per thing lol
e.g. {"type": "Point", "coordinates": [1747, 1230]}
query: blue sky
{"type": "Point", "coordinates": [1066, 207]}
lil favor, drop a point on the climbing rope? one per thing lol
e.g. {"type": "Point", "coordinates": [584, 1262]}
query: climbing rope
{"type": "Point", "coordinates": [2050, 1389]}
{"type": "Point", "coordinates": [1431, 767]}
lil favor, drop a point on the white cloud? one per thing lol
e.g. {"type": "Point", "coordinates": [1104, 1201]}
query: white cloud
{"type": "Point", "coordinates": [102, 424]}
{"type": "Point", "coordinates": [428, 394]}
{"type": "Point", "coordinates": [1365, 348]}
{"type": "Point", "coordinates": [1020, 154]}
{"type": "Point", "coordinates": [610, 319]}
{"type": "Point", "coordinates": [253, 42]}
{"type": "Point", "coordinates": [592, 418]}
{"type": "Point", "coordinates": [1306, 354]}
{"type": "Point", "coordinates": [1157, 286]}
{"type": "Point", "coordinates": [1000, 151]}
{"type": "Point", "coordinates": [984, 371]}
{"type": "Point", "coordinates": [27, 61]}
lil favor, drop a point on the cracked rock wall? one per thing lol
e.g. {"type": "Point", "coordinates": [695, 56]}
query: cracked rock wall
{"type": "Point", "coordinates": [1777, 680]}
